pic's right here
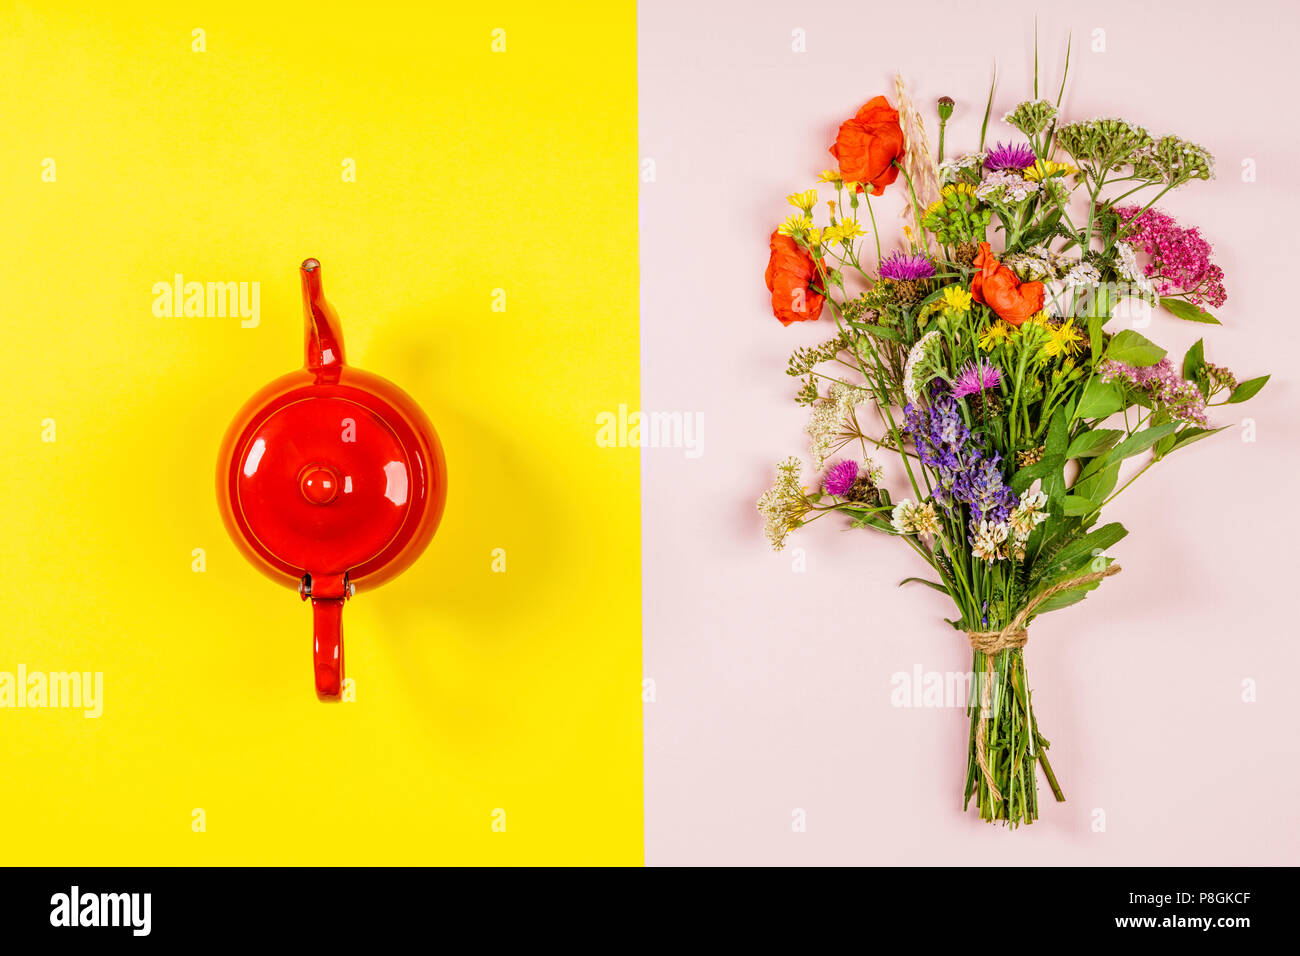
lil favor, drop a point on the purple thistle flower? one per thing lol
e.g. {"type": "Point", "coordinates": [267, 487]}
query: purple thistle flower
{"type": "Point", "coordinates": [975, 378]}
{"type": "Point", "coordinates": [1012, 156]}
{"type": "Point", "coordinates": [840, 478]}
{"type": "Point", "coordinates": [905, 266]}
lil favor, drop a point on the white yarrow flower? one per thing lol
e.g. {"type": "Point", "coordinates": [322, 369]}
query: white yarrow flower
{"type": "Point", "coordinates": [1126, 265]}
{"type": "Point", "coordinates": [1082, 274]}
{"type": "Point", "coordinates": [1002, 185]}
{"type": "Point", "coordinates": [826, 422]}
{"type": "Point", "coordinates": [915, 366]}
{"type": "Point", "coordinates": [782, 505]}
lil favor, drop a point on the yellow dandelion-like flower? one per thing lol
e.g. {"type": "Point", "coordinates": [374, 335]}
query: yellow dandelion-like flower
{"type": "Point", "coordinates": [830, 204]}
{"type": "Point", "coordinates": [815, 237]}
{"type": "Point", "coordinates": [830, 176]}
{"type": "Point", "coordinates": [956, 299]}
{"type": "Point", "coordinates": [804, 200]}
{"type": "Point", "coordinates": [996, 334]}
{"type": "Point", "coordinates": [1046, 169]}
{"type": "Point", "coordinates": [1065, 339]}
{"type": "Point", "coordinates": [850, 229]}
{"type": "Point", "coordinates": [795, 225]}
{"type": "Point", "coordinates": [1039, 318]}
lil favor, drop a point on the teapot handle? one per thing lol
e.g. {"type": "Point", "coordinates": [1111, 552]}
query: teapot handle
{"type": "Point", "coordinates": [327, 593]}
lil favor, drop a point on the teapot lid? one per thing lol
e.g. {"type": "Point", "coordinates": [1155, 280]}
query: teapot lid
{"type": "Point", "coordinates": [323, 483]}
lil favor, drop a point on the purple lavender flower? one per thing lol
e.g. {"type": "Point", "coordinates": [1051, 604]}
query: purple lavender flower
{"type": "Point", "coordinates": [980, 486]}
{"type": "Point", "coordinates": [975, 378]}
{"type": "Point", "coordinates": [905, 266]}
{"type": "Point", "coordinates": [840, 478]}
{"type": "Point", "coordinates": [1012, 156]}
{"type": "Point", "coordinates": [965, 477]}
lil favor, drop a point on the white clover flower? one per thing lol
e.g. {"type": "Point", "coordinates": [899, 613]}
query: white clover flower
{"type": "Point", "coordinates": [903, 516]}
{"type": "Point", "coordinates": [925, 519]}
{"type": "Point", "coordinates": [909, 517]}
{"type": "Point", "coordinates": [990, 537]}
{"type": "Point", "coordinates": [1028, 514]}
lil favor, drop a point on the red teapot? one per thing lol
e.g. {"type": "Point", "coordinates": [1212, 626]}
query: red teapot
{"type": "Point", "coordinates": [330, 480]}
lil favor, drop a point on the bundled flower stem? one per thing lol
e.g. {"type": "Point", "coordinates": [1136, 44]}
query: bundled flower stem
{"type": "Point", "coordinates": [987, 371]}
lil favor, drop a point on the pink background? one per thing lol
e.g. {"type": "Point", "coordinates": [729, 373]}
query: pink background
{"type": "Point", "coordinates": [773, 687]}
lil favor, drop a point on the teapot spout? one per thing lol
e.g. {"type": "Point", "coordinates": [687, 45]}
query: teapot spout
{"type": "Point", "coordinates": [324, 339]}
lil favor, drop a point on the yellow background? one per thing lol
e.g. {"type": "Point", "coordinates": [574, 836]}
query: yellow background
{"type": "Point", "coordinates": [475, 171]}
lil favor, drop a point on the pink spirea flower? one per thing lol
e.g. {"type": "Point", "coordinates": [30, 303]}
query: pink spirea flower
{"type": "Point", "coordinates": [840, 478]}
{"type": "Point", "coordinates": [976, 377]}
{"type": "Point", "coordinates": [1180, 398]}
{"type": "Point", "coordinates": [1179, 259]}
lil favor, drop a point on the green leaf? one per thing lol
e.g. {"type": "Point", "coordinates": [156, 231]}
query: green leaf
{"type": "Point", "coordinates": [984, 128]}
{"type": "Point", "coordinates": [1096, 485]}
{"type": "Point", "coordinates": [1189, 435]}
{"type": "Point", "coordinates": [1194, 360]}
{"type": "Point", "coordinates": [1185, 310]}
{"type": "Point", "coordinates": [1095, 322]}
{"type": "Point", "coordinates": [1087, 444]}
{"type": "Point", "coordinates": [931, 584]}
{"type": "Point", "coordinates": [1133, 348]}
{"type": "Point", "coordinates": [1247, 389]}
{"type": "Point", "coordinates": [1072, 596]}
{"type": "Point", "coordinates": [1054, 446]}
{"type": "Point", "coordinates": [1040, 469]}
{"type": "Point", "coordinates": [1099, 400]}
{"type": "Point", "coordinates": [1093, 543]}
{"type": "Point", "coordinates": [1141, 441]}
{"type": "Point", "coordinates": [1065, 599]}
{"type": "Point", "coordinates": [1076, 506]}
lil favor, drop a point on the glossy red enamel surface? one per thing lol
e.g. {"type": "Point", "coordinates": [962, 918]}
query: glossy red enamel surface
{"type": "Point", "coordinates": [324, 484]}
{"type": "Point", "coordinates": [330, 475]}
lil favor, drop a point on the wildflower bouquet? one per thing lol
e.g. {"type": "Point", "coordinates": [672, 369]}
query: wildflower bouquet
{"type": "Point", "coordinates": [1011, 382]}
